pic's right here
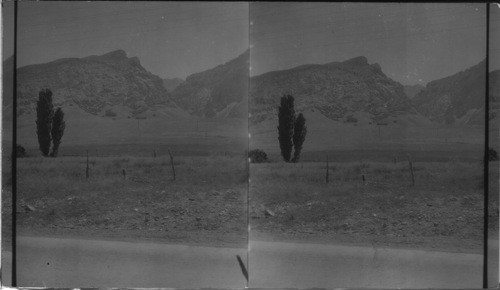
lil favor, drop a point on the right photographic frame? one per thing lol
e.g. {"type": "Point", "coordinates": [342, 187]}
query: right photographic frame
{"type": "Point", "coordinates": [492, 254]}
{"type": "Point", "coordinates": [369, 139]}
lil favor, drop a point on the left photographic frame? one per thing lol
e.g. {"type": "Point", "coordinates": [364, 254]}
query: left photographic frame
{"type": "Point", "coordinates": [131, 139]}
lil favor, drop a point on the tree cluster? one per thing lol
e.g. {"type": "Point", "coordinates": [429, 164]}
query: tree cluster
{"type": "Point", "coordinates": [257, 156]}
{"type": "Point", "coordinates": [50, 125]}
{"type": "Point", "coordinates": [292, 130]}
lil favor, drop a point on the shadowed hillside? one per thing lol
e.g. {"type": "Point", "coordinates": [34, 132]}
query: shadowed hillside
{"type": "Point", "coordinates": [458, 98]}
{"type": "Point", "coordinates": [171, 84]}
{"type": "Point", "coordinates": [412, 90]}
{"type": "Point", "coordinates": [221, 91]}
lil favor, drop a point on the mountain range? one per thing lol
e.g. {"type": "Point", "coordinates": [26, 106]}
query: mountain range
{"type": "Point", "coordinates": [338, 90]}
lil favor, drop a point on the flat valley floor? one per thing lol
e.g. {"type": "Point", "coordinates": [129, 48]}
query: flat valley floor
{"type": "Point", "coordinates": [369, 200]}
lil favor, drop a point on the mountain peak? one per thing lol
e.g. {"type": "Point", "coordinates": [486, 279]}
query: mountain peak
{"type": "Point", "coordinates": [112, 56]}
{"type": "Point", "coordinates": [116, 54]}
{"type": "Point", "coordinates": [357, 61]}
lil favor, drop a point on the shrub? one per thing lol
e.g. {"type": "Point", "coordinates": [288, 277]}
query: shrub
{"type": "Point", "coordinates": [257, 156]}
{"type": "Point", "coordinates": [20, 151]}
{"type": "Point", "coordinates": [351, 119]}
{"type": "Point", "coordinates": [109, 113]}
{"type": "Point", "coordinates": [492, 155]}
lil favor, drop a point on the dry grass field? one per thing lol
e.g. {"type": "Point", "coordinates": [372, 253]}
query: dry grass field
{"type": "Point", "coordinates": [206, 203]}
{"type": "Point", "coordinates": [443, 210]}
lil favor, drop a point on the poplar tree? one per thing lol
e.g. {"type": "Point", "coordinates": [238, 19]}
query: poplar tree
{"type": "Point", "coordinates": [44, 115]}
{"type": "Point", "coordinates": [299, 136]}
{"type": "Point", "coordinates": [286, 119]}
{"type": "Point", "coordinates": [58, 126]}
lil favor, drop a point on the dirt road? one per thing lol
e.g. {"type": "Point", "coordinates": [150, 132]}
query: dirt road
{"type": "Point", "coordinates": [90, 263]}
{"type": "Point", "coordinates": [284, 265]}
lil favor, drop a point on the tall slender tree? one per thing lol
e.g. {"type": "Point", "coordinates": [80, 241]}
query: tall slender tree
{"type": "Point", "coordinates": [58, 126]}
{"type": "Point", "coordinates": [286, 119]}
{"type": "Point", "coordinates": [299, 135]}
{"type": "Point", "coordinates": [44, 115]}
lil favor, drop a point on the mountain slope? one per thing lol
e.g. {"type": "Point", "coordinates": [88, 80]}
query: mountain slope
{"type": "Point", "coordinates": [458, 98]}
{"type": "Point", "coordinates": [412, 90]}
{"type": "Point", "coordinates": [336, 89]}
{"type": "Point", "coordinates": [171, 84]}
{"type": "Point", "coordinates": [93, 84]}
{"type": "Point", "coordinates": [220, 91]}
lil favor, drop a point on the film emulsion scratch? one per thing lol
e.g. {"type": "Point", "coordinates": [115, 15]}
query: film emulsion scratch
{"type": "Point", "coordinates": [131, 144]}
{"type": "Point", "coordinates": [250, 144]}
{"type": "Point", "coordinates": [368, 132]}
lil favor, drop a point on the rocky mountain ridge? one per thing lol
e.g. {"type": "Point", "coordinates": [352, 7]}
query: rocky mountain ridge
{"type": "Point", "coordinates": [336, 89]}
{"type": "Point", "coordinates": [93, 83]}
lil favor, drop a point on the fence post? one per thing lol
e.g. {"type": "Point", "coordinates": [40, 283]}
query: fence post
{"type": "Point", "coordinates": [154, 153]}
{"type": "Point", "coordinates": [411, 171]}
{"type": "Point", "coordinates": [124, 174]}
{"type": "Point", "coordinates": [327, 167]}
{"type": "Point", "coordinates": [172, 162]}
{"type": "Point", "coordinates": [87, 173]}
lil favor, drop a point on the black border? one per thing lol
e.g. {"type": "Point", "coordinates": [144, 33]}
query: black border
{"type": "Point", "coordinates": [14, 155]}
{"type": "Point", "coordinates": [485, 158]}
{"type": "Point", "coordinates": [486, 151]}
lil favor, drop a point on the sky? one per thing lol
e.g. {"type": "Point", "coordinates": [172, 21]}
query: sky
{"type": "Point", "coordinates": [171, 39]}
{"type": "Point", "coordinates": [413, 43]}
